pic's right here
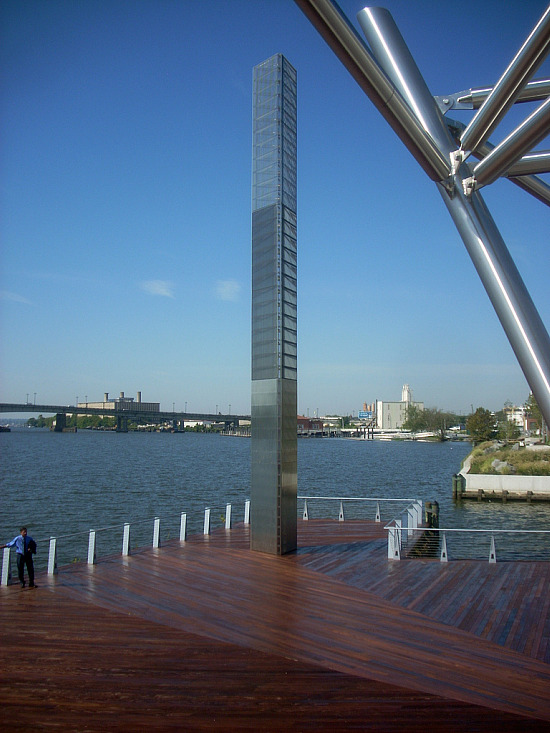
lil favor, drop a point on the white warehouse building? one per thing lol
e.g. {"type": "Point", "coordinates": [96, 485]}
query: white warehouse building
{"type": "Point", "coordinates": [392, 415]}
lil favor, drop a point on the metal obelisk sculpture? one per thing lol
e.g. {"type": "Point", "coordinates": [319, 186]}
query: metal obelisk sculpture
{"type": "Point", "coordinates": [274, 309]}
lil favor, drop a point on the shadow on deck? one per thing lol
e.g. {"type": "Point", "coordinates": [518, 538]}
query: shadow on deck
{"type": "Point", "coordinates": [211, 635]}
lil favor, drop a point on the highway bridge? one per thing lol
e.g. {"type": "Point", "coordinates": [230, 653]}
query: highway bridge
{"type": "Point", "coordinates": [122, 413]}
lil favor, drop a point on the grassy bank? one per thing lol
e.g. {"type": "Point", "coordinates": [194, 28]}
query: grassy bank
{"type": "Point", "coordinates": [511, 460]}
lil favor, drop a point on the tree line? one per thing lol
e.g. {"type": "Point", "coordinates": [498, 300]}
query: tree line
{"type": "Point", "coordinates": [482, 425]}
{"type": "Point", "coordinates": [74, 421]}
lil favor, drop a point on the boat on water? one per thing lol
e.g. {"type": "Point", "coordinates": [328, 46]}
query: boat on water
{"type": "Point", "coordinates": [5, 429]}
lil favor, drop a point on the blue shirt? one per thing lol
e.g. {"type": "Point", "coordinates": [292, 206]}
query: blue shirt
{"type": "Point", "coordinates": [21, 543]}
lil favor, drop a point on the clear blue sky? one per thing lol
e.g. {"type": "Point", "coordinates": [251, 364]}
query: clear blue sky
{"type": "Point", "coordinates": [125, 207]}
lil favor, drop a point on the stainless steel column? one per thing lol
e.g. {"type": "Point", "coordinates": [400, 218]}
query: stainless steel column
{"type": "Point", "coordinates": [273, 523]}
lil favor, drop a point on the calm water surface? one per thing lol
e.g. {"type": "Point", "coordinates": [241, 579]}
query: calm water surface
{"type": "Point", "coordinates": [66, 483]}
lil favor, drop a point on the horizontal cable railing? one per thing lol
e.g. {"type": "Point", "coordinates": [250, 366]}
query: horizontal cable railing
{"type": "Point", "coordinates": [125, 538]}
{"type": "Point", "coordinates": [354, 507]}
{"type": "Point", "coordinates": [444, 544]}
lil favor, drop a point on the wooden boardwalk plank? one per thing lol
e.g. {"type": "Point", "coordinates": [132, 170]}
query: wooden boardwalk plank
{"type": "Point", "coordinates": [301, 640]}
{"type": "Point", "coordinates": [450, 592]}
{"type": "Point", "coordinates": [80, 667]}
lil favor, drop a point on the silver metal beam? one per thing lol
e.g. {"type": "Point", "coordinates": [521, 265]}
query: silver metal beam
{"type": "Point", "coordinates": [529, 183]}
{"type": "Point", "coordinates": [535, 186]}
{"type": "Point", "coordinates": [346, 43]}
{"type": "Point", "coordinates": [510, 84]}
{"type": "Point", "coordinates": [395, 59]}
{"type": "Point", "coordinates": [537, 162]}
{"type": "Point", "coordinates": [496, 268]}
{"type": "Point", "coordinates": [511, 300]}
{"type": "Point", "coordinates": [532, 130]}
{"type": "Point", "coordinates": [534, 91]}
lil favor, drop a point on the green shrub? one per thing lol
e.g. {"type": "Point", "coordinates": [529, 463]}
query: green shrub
{"type": "Point", "coordinates": [525, 462]}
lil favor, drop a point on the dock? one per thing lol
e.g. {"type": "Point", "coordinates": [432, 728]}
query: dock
{"type": "Point", "coordinates": [207, 634]}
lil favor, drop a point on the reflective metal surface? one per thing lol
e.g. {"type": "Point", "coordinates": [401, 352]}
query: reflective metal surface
{"type": "Point", "coordinates": [509, 296]}
{"type": "Point", "coordinates": [394, 57]}
{"type": "Point", "coordinates": [535, 90]}
{"type": "Point", "coordinates": [534, 129]}
{"type": "Point", "coordinates": [344, 40]}
{"type": "Point", "coordinates": [496, 268]}
{"type": "Point", "coordinates": [532, 163]}
{"type": "Point", "coordinates": [274, 466]}
{"type": "Point", "coordinates": [510, 84]}
{"type": "Point", "coordinates": [274, 308]}
{"type": "Point", "coordinates": [521, 173]}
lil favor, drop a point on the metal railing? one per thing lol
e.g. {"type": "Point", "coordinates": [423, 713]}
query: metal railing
{"type": "Point", "coordinates": [353, 507]}
{"type": "Point", "coordinates": [444, 544]}
{"type": "Point", "coordinates": [201, 522]}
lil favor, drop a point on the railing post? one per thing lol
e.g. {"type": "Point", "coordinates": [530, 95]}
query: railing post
{"type": "Point", "coordinates": [305, 515]}
{"type": "Point", "coordinates": [247, 511]}
{"type": "Point", "coordinates": [419, 512]}
{"type": "Point", "coordinates": [492, 551]}
{"type": "Point", "coordinates": [443, 557]}
{"type": "Point", "coordinates": [183, 527]}
{"type": "Point", "coordinates": [52, 556]}
{"type": "Point", "coordinates": [228, 516]}
{"type": "Point", "coordinates": [411, 519]}
{"type": "Point", "coordinates": [393, 544]}
{"type": "Point", "coordinates": [399, 535]}
{"type": "Point", "coordinates": [405, 525]}
{"type": "Point", "coordinates": [156, 533]}
{"type": "Point", "coordinates": [206, 528]}
{"type": "Point", "coordinates": [341, 514]}
{"type": "Point", "coordinates": [6, 566]}
{"type": "Point", "coordinates": [92, 557]}
{"type": "Point", "coordinates": [126, 539]}
{"type": "Point", "coordinates": [377, 517]}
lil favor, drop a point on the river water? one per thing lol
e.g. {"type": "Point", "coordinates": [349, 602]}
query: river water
{"type": "Point", "coordinates": [64, 484]}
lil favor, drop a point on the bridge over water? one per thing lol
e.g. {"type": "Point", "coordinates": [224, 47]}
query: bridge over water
{"type": "Point", "coordinates": [122, 413]}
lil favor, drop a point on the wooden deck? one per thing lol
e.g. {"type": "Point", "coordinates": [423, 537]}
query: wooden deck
{"type": "Point", "coordinates": [333, 637]}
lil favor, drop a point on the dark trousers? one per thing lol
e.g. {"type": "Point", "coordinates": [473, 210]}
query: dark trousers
{"type": "Point", "coordinates": [23, 560]}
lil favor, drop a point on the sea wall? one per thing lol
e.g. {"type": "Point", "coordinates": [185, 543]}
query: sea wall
{"type": "Point", "coordinates": [500, 486]}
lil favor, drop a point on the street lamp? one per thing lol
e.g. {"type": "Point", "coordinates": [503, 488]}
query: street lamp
{"type": "Point", "coordinates": [186, 407]}
{"type": "Point", "coordinates": [34, 399]}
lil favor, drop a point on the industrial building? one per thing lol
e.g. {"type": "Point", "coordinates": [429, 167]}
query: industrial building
{"type": "Point", "coordinates": [392, 415]}
{"type": "Point", "coordinates": [122, 403]}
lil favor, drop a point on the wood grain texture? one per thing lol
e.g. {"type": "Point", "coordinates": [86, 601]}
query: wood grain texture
{"type": "Point", "coordinates": [208, 634]}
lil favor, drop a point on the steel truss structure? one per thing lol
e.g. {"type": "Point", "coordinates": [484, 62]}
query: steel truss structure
{"type": "Point", "coordinates": [388, 74]}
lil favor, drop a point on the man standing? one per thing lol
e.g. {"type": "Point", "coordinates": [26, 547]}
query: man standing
{"type": "Point", "coordinates": [25, 548]}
